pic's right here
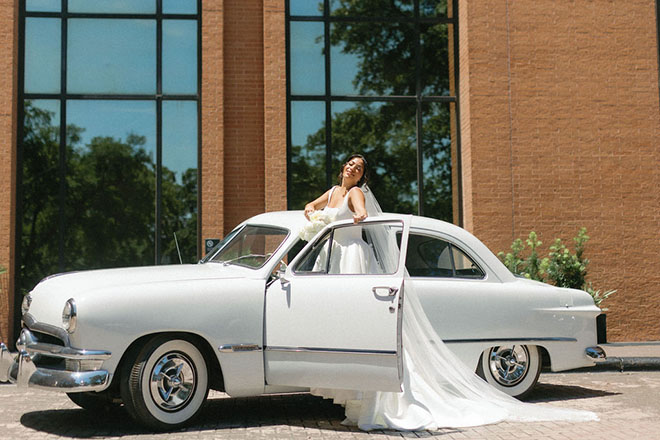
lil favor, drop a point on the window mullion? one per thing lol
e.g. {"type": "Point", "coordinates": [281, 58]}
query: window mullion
{"type": "Point", "coordinates": [62, 166]}
{"type": "Point", "coordinates": [328, 94]}
{"type": "Point", "coordinates": [159, 133]}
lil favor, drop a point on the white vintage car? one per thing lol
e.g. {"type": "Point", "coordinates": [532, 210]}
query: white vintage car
{"type": "Point", "coordinates": [244, 322]}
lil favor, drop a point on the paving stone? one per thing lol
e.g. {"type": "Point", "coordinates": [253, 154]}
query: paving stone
{"type": "Point", "coordinates": [626, 402]}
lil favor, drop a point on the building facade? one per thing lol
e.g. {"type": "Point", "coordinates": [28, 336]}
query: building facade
{"type": "Point", "coordinates": [131, 134]}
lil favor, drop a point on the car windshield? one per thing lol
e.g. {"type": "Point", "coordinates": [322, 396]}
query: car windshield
{"type": "Point", "coordinates": [250, 246]}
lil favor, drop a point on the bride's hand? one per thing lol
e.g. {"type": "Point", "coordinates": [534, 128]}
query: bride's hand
{"type": "Point", "coordinates": [308, 210]}
{"type": "Point", "coordinates": [359, 217]}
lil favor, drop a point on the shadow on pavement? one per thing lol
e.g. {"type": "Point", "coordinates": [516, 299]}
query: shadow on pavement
{"type": "Point", "coordinates": [279, 416]}
{"type": "Point", "coordinates": [544, 392]}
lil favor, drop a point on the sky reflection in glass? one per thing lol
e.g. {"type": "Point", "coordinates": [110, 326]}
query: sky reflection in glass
{"type": "Point", "coordinates": [306, 119]}
{"type": "Point", "coordinates": [116, 119]}
{"type": "Point", "coordinates": [179, 136]}
{"type": "Point", "coordinates": [306, 7]}
{"type": "Point", "coordinates": [43, 5]}
{"type": "Point", "coordinates": [308, 152]}
{"type": "Point", "coordinates": [110, 6]}
{"type": "Point", "coordinates": [345, 67]}
{"type": "Point", "coordinates": [180, 56]}
{"type": "Point", "coordinates": [179, 6]}
{"type": "Point", "coordinates": [307, 61]}
{"type": "Point", "coordinates": [111, 56]}
{"type": "Point", "coordinates": [42, 55]}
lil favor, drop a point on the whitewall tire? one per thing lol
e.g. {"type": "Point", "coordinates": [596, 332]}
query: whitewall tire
{"type": "Point", "coordinates": [166, 383]}
{"type": "Point", "coordinates": [513, 369]}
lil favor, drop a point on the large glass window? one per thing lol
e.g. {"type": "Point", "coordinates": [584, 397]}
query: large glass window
{"type": "Point", "coordinates": [108, 157]}
{"type": "Point", "coordinates": [373, 77]}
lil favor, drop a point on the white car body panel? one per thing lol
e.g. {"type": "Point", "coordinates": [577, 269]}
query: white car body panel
{"type": "Point", "coordinates": [340, 331]}
{"type": "Point", "coordinates": [224, 305]}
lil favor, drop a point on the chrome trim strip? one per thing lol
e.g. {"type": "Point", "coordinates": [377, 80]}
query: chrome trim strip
{"type": "Point", "coordinates": [67, 352]}
{"type": "Point", "coordinates": [27, 343]}
{"type": "Point", "coordinates": [491, 340]}
{"type": "Point", "coordinates": [239, 348]}
{"type": "Point", "coordinates": [331, 350]}
{"type": "Point", "coordinates": [52, 330]}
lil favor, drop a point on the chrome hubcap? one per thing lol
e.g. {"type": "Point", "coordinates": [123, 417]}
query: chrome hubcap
{"type": "Point", "coordinates": [509, 364]}
{"type": "Point", "coordinates": [172, 382]}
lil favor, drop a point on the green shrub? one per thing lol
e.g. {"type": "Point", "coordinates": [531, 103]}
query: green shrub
{"type": "Point", "coordinates": [562, 267]}
{"type": "Point", "coordinates": [531, 267]}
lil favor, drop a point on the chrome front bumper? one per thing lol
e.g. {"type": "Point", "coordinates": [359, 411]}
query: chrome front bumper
{"type": "Point", "coordinates": [72, 374]}
{"type": "Point", "coordinates": [6, 362]}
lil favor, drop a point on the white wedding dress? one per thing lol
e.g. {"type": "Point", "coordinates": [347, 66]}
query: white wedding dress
{"type": "Point", "coordinates": [350, 253]}
{"type": "Point", "coordinates": [439, 391]}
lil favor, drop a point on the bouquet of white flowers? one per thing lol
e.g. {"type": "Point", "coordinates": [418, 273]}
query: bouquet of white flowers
{"type": "Point", "coordinates": [317, 221]}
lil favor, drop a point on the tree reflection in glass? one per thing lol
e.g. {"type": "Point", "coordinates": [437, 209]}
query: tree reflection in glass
{"type": "Point", "coordinates": [110, 179]}
{"type": "Point", "coordinates": [179, 182]}
{"type": "Point", "coordinates": [110, 183]}
{"type": "Point", "coordinates": [385, 133]}
{"type": "Point", "coordinates": [382, 66]}
{"type": "Point", "coordinates": [40, 193]}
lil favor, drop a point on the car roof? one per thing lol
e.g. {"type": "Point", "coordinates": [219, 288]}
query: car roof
{"type": "Point", "coordinates": [295, 220]}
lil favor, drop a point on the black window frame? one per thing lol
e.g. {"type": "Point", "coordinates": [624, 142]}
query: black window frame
{"type": "Point", "coordinates": [418, 99]}
{"type": "Point", "coordinates": [63, 96]}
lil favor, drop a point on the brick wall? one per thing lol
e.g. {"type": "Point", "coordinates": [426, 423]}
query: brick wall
{"type": "Point", "coordinates": [243, 111]}
{"type": "Point", "coordinates": [8, 71]}
{"type": "Point", "coordinates": [560, 128]}
{"type": "Point", "coordinates": [274, 106]}
{"type": "Point", "coordinates": [212, 178]}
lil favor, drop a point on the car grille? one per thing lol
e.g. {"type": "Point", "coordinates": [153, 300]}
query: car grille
{"type": "Point", "coordinates": [46, 338]}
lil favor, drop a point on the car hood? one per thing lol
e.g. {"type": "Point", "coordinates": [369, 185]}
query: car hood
{"type": "Point", "coordinates": [52, 292]}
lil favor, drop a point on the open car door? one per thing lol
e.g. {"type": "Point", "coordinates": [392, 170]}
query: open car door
{"type": "Point", "coordinates": [334, 325]}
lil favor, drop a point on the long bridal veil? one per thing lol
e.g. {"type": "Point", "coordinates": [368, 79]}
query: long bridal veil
{"type": "Point", "coordinates": [438, 389]}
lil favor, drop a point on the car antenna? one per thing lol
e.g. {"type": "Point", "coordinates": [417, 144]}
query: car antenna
{"type": "Point", "coordinates": [177, 248]}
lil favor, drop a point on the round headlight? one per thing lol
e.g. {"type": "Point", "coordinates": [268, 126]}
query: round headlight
{"type": "Point", "coordinates": [69, 316]}
{"type": "Point", "coordinates": [25, 305]}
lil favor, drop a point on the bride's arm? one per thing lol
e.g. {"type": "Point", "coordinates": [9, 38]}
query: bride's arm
{"type": "Point", "coordinates": [319, 203]}
{"type": "Point", "coordinates": [356, 204]}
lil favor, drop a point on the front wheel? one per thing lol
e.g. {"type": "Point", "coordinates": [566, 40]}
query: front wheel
{"type": "Point", "coordinates": [165, 384]}
{"type": "Point", "coordinates": [512, 369]}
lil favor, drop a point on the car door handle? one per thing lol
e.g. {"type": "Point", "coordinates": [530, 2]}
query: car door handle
{"type": "Point", "coordinates": [391, 291]}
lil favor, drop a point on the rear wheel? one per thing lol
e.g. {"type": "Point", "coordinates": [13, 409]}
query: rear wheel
{"type": "Point", "coordinates": [513, 369]}
{"type": "Point", "coordinates": [165, 385]}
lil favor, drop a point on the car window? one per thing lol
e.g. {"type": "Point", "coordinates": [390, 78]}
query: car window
{"type": "Point", "coordinates": [349, 250]}
{"type": "Point", "coordinates": [433, 257]}
{"type": "Point", "coordinates": [465, 267]}
{"type": "Point", "coordinates": [252, 246]}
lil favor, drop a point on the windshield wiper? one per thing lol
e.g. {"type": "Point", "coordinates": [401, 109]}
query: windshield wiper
{"type": "Point", "coordinates": [233, 260]}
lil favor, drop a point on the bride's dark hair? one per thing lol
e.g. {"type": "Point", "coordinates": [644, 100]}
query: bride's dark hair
{"type": "Point", "coordinates": [365, 169]}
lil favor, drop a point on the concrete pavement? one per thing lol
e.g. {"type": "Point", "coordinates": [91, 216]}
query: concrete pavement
{"type": "Point", "coordinates": [626, 403]}
{"type": "Point", "coordinates": [622, 390]}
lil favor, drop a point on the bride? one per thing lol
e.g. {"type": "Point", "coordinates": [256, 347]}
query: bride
{"type": "Point", "coordinates": [438, 390]}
